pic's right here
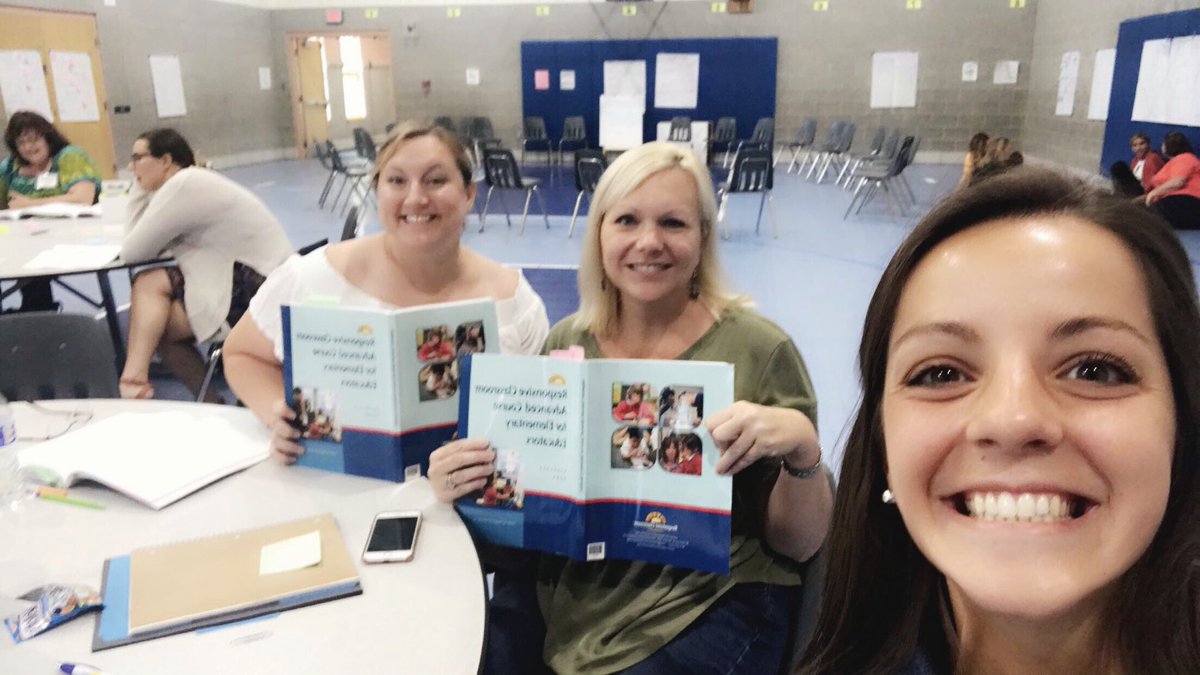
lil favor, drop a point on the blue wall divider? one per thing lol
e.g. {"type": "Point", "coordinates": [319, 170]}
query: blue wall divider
{"type": "Point", "coordinates": [737, 79]}
{"type": "Point", "coordinates": [1120, 126]}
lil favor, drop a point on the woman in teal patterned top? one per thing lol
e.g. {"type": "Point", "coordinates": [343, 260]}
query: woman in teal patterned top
{"type": "Point", "coordinates": [43, 167]}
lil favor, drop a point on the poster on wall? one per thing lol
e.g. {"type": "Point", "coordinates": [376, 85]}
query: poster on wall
{"type": "Point", "coordinates": [894, 79]}
{"type": "Point", "coordinates": [264, 77]}
{"type": "Point", "coordinates": [74, 87]}
{"type": "Point", "coordinates": [23, 84]}
{"type": "Point", "coordinates": [970, 71]}
{"type": "Point", "coordinates": [541, 79]}
{"type": "Point", "coordinates": [1068, 80]}
{"type": "Point", "coordinates": [676, 80]}
{"type": "Point", "coordinates": [1006, 72]}
{"type": "Point", "coordinates": [168, 86]}
{"type": "Point", "coordinates": [625, 78]}
{"type": "Point", "coordinates": [1168, 87]}
{"type": "Point", "coordinates": [1102, 76]}
{"type": "Point", "coordinates": [472, 77]}
{"type": "Point", "coordinates": [566, 80]}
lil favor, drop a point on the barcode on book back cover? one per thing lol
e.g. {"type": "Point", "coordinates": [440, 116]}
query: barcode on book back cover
{"type": "Point", "coordinates": [595, 551]}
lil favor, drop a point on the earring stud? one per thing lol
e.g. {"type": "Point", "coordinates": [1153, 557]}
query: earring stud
{"type": "Point", "coordinates": [888, 497]}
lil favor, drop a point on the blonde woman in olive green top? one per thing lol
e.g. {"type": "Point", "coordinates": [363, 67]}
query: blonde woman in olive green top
{"type": "Point", "coordinates": [650, 288]}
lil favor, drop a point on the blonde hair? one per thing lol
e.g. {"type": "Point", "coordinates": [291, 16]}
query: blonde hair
{"type": "Point", "coordinates": [410, 130]}
{"type": "Point", "coordinates": [599, 300]}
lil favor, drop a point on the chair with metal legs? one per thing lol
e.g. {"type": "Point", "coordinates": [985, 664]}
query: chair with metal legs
{"type": "Point", "coordinates": [534, 133]}
{"type": "Point", "coordinates": [589, 166]}
{"type": "Point", "coordinates": [753, 171]}
{"type": "Point", "coordinates": [802, 141]}
{"type": "Point", "coordinates": [574, 133]}
{"type": "Point", "coordinates": [725, 134]}
{"type": "Point", "coordinates": [501, 172]}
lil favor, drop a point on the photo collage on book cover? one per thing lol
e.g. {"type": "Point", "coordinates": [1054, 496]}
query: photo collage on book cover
{"type": "Point", "coordinates": [656, 429]}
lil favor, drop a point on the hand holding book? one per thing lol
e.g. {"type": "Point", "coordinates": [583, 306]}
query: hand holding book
{"type": "Point", "coordinates": [747, 432]}
{"type": "Point", "coordinates": [461, 467]}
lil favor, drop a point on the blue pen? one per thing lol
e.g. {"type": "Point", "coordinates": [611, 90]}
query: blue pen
{"type": "Point", "coordinates": [79, 669]}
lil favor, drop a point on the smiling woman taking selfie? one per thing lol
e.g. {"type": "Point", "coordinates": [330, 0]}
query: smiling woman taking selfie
{"type": "Point", "coordinates": [1020, 488]}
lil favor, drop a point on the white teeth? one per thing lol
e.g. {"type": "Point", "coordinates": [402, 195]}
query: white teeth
{"type": "Point", "coordinates": [1025, 507]}
{"type": "Point", "coordinates": [417, 220]}
{"type": "Point", "coordinates": [648, 268]}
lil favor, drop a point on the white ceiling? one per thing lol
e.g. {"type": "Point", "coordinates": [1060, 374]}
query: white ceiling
{"type": "Point", "coordinates": [332, 4]}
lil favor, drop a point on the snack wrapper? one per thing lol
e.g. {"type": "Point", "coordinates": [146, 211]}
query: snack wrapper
{"type": "Point", "coordinates": [54, 604]}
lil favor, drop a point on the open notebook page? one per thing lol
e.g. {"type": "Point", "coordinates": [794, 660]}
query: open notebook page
{"type": "Point", "coordinates": [155, 458]}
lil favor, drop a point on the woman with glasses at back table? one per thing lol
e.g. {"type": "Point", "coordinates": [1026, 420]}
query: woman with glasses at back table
{"type": "Point", "coordinates": [423, 181]}
{"type": "Point", "coordinates": [224, 241]}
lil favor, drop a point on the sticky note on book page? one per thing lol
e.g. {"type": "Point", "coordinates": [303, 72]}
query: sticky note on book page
{"type": "Point", "coordinates": [290, 554]}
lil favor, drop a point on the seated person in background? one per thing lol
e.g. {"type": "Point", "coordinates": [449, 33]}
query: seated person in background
{"type": "Point", "coordinates": [1001, 156]}
{"type": "Point", "coordinates": [1176, 193]}
{"type": "Point", "coordinates": [976, 150]}
{"type": "Point", "coordinates": [1021, 486]}
{"type": "Point", "coordinates": [43, 167]}
{"type": "Point", "coordinates": [423, 181]}
{"type": "Point", "coordinates": [224, 241]}
{"type": "Point", "coordinates": [1134, 179]}
{"type": "Point", "coordinates": [650, 287]}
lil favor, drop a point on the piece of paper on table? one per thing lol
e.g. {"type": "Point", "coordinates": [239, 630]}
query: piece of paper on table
{"type": "Point", "coordinates": [291, 554]}
{"type": "Point", "coordinates": [64, 256]}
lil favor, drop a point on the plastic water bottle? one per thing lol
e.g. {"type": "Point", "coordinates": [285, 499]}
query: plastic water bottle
{"type": "Point", "coordinates": [12, 488]}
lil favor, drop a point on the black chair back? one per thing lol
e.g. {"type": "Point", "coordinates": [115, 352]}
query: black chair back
{"type": "Point", "coordinates": [752, 171]}
{"type": "Point", "coordinates": [574, 129]}
{"type": "Point", "coordinates": [350, 229]}
{"type": "Point", "coordinates": [47, 355]}
{"type": "Point", "coordinates": [877, 139]}
{"type": "Point", "coordinates": [535, 129]}
{"type": "Point", "coordinates": [846, 139]}
{"type": "Point", "coordinates": [445, 123]}
{"type": "Point", "coordinates": [890, 145]}
{"type": "Point", "coordinates": [364, 145]}
{"type": "Point", "coordinates": [501, 170]}
{"type": "Point", "coordinates": [322, 154]}
{"type": "Point", "coordinates": [681, 129]}
{"type": "Point", "coordinates": [589, 166]}
{"type": "Point", "coordinates": [725, 131]}
{"type": "Point", "coordinates": [334, 158]}
{"type": "Point", "coordinates": [483, 129]}
{"type": "Point", "coordinates": [806, 133]}
{"type": "Point", "coordinates": [833, 136]}
{"type": "Point", "coordinates": [764, 132]}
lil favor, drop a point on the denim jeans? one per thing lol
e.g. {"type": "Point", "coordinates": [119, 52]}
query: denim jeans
{"type": "Point", "coordinates": [746, 631]}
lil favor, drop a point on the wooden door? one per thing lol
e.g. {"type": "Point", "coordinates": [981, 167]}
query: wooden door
{"type": "Point", "coordinates": [312, 92]}
{"type": "Point", "coordinates": [46, 31]}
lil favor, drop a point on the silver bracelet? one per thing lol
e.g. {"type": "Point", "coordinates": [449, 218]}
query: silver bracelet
{"type": "Point", "coordinates": [803, 473]}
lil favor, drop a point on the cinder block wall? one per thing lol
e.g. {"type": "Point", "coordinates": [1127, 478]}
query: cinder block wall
{"type": "Point", "coordinates": [824, 57]}
{"type": "Point", "coordinates": [220, 48]}
{"type": "Point", "coordinates": [1086, 26]}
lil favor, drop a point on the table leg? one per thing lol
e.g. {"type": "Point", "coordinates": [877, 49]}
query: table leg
{"type": "Point", "coordinates": [110, 315]}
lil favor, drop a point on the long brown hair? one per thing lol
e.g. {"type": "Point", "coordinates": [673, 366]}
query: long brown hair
{"type": "Point", "coordinates": [883, 600]}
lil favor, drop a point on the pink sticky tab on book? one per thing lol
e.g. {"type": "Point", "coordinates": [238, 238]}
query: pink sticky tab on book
{"type": "Point", "coordinates": [572, 353]}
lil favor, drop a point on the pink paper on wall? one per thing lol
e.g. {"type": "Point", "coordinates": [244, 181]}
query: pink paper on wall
{"type": "Point", "coordinates": [541, 80]}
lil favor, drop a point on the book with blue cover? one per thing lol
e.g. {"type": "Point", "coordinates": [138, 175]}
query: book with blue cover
{"type": "Point", "coordinates": [600, 459]}
{"type": "Point", "coordinates": [376, 390]}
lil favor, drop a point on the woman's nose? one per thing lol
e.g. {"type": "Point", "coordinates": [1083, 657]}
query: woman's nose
{"type": "Point", "coordinates": [1014, 410]}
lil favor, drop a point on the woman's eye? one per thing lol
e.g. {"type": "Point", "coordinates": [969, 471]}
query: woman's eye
{"type": "Point", "coordinates": [936, 376]}
{"type": "Point", "coordinates": [625, 219]}
{"type": "Point", "coordinates": [396, 180]}
{"type": "Point", "coordinates": [436, 182]}
{"type": "Point", "coordinates": [1102, 369]}
{"type": "Point", "coordinates": [674, 223]}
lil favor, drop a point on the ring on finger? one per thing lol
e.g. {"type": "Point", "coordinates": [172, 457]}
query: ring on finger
{"type": "Point", "coordinates": [450, 481]}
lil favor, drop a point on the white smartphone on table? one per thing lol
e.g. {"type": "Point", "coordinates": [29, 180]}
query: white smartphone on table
{"type": "Point", "coordinates": [393, 537]}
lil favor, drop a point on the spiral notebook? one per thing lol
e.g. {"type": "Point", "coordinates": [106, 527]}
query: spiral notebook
{"type": "Point", "coordinates": [161, 591]}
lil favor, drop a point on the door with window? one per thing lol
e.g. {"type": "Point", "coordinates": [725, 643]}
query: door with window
{"type": "Point", "coordinates": [344, 81]}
